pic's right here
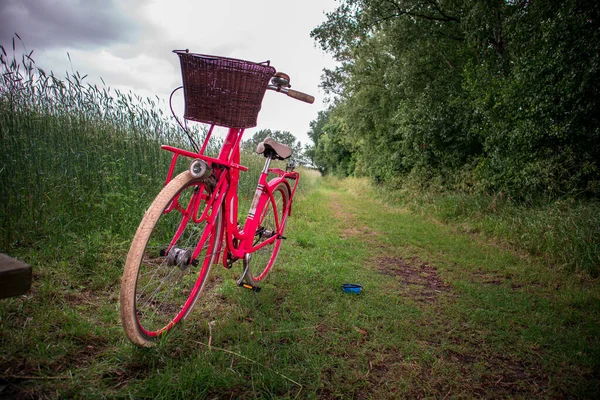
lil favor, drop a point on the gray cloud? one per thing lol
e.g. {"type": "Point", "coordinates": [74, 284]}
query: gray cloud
{"type": "Point", "coordinates": [46, 24]}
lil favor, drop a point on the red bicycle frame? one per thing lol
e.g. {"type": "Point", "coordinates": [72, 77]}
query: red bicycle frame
{"type": "Point", "coordinates": [238, 242]}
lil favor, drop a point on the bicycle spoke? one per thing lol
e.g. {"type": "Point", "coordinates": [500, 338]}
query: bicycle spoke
{"type": "Point", "coordinates": [157, 290]}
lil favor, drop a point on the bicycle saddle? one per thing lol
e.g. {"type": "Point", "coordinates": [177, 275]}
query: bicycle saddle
{"type": "Point", "coordinates": [269, 147]}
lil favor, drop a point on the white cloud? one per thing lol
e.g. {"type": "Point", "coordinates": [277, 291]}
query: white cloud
{"type": "Point", "coordinates": [135, 51]}
{"type": "Point", "coordinates": [46, 24]}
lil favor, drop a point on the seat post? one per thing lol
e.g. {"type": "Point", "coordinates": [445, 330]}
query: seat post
{"type": "Point", "coordinates": [267, 164]}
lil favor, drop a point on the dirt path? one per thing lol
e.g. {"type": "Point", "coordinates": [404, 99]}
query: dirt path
{"type": "Point", "coordinates": [490, 323]}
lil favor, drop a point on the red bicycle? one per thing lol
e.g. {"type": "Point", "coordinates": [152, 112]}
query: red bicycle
{"type": "Point", "coordinates": [194, 219]}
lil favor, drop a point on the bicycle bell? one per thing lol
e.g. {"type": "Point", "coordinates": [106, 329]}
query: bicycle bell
{"type": "Point", "coordinates": [281, 79]}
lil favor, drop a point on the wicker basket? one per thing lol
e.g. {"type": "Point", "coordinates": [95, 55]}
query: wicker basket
{"type": "Point", "coordinates": [223, 91]}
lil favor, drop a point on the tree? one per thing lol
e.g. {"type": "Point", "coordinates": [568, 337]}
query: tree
{"type": "Point", "coordinates": [505, 91]}
{"type": "Point", "coordinates": [284, 137]}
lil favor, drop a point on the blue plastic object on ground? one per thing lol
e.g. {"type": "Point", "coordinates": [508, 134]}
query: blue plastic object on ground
{"type": "Point", "coordinates": [351, 288]}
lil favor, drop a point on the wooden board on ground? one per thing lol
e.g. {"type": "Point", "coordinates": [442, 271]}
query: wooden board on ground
{"type": "Point", "coordinates": [15, 277]}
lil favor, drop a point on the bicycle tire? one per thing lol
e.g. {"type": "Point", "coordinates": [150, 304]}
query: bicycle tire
{"type": "Point", "coordinates": [262, 260]}
{"type": "Point", "coordinates": [159, 287]}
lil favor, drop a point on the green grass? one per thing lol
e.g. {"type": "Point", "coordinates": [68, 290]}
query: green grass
{"type": "Point", "coordinates": [564, 232]}
{"type": "Point", "coordinates": [74, 154]}
{"type": "Point", "coordinates": [441, 314]}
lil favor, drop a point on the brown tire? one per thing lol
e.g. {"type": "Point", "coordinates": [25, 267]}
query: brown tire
{"type": "Point", "coordinates": [161, 281]}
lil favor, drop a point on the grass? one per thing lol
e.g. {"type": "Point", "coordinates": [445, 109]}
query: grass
{"type": "Point", "coordinates": [441, 315]}
{"type": "Point", "coordinates": [66, 145]}
{"type": "Point", "coordinates": [564, 232]}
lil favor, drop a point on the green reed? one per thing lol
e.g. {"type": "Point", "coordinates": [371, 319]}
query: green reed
{"type": "Point", "coordinates": [77, 158]}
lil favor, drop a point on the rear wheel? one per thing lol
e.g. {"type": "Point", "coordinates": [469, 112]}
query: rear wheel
{"type": "Point", "coordinates": [270, 224]}
{"type": "Point", "coordinates": [162, 280]}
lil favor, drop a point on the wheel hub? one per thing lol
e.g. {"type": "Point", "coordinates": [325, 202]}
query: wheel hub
{"type": "Point", "coordinates": [179, 257]}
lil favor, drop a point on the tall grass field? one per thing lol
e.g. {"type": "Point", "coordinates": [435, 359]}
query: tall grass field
{"type": "Point", "coordinates": [79, 160]}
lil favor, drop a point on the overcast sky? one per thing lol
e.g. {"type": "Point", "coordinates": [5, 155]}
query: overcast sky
{"type": "Point", "coordinates": [128, 43]}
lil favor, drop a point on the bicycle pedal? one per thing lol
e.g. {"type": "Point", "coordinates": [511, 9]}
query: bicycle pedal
{"type": "Point", "coordinates": [255, 289]}
{"type": "Point", "coordinates": [281, 237]}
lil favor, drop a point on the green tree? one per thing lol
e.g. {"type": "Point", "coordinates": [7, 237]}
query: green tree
{"type": "Point", "coordinates": [284, 137]}
{"type": "Point", "coordinates": [503, 90]}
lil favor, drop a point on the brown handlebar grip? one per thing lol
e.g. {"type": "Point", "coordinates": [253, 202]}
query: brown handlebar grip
{"type": "Point", "coordinates": [307, 98]}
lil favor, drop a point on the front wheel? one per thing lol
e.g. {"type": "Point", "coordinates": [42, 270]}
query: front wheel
{"type": "Point", "coordinates": [271, 223]}
{"type": "Point", "coordinates": [169, 260]}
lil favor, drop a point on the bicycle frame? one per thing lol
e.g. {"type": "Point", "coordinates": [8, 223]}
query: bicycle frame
{"type": "Point", "coordinates": [194, 219]}
{"type": "Point", "coordinates": [224, 198]}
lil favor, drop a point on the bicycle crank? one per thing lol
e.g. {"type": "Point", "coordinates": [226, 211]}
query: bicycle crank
{"type": "Point", "coordinates": [244, 280]}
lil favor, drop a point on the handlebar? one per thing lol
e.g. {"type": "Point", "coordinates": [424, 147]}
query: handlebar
{"type": "Point", "coordinates": [281, 83]}
{"type": "Point", "coordinates": [307, 98]}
